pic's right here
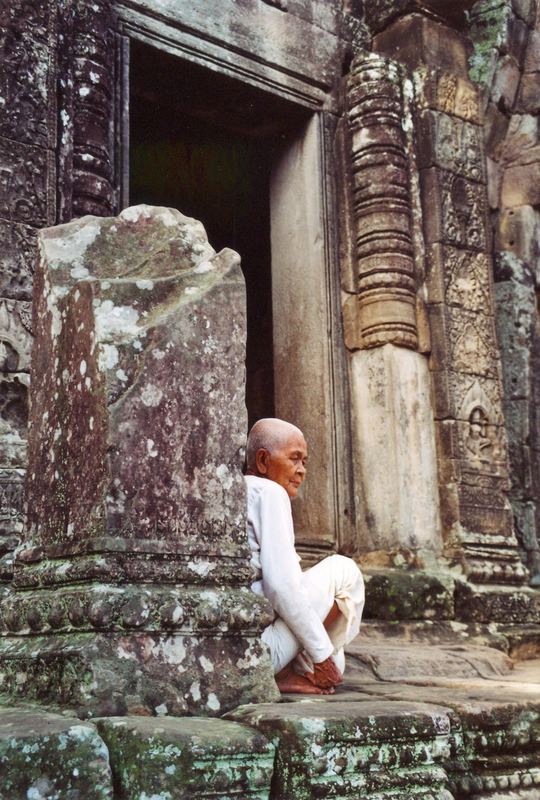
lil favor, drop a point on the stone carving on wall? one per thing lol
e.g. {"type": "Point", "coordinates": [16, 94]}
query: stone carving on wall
{"type": "Point", "coordinates": [383, 308]}
{"type": "Point", "coordinates": [472, 344]}
{"type": "Point", "coordinates": [463, 207]}
{"type": "Point", "coordinates": [448, 93]}
{"type": "Point", "coordinates": [24, 183]}
{"type": "Point", "coordinates": [480, 426]}
{"type": "Point", "coordinates": [15, 335]}
{"type": "Point", "coordinates": [467, 279]}
{"type": "Point", "coordinates": [17, 260]}
{"type": "Point", "coordinates": [464, 358]}
{"type": "Point", "coordinates": [13, 419]}
{"type": "Point", "coordinates": [26, 79]}
{"type": "Point", "coordinates": [456, 145]}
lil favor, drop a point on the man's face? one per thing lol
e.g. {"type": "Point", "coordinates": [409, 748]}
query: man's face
{"type": "Point", "coordinates": [287, 465]}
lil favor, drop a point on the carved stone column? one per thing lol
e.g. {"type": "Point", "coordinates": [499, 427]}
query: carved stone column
{"type": "Point", "coordinates": [464, 362]}
{"type": "Point", "coordinates": [131, 588]}
{"type": "Point", "coordinates": [382, 310]}
{"type": "Point", "coordinates": [86, 66]}
{"type": "Point", "coordinates": [394, 441]}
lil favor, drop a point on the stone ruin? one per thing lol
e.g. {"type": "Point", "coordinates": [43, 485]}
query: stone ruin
{"type": "Point", "coordinates": [131, 587]}
{"type": "Point", "coordinates": [400, 139]}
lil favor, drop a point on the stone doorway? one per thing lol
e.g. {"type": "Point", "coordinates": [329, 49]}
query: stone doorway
{"type": "Point", "coordinates": [200, 145]}
{"type": "Point", "coordinates": [248, 164]}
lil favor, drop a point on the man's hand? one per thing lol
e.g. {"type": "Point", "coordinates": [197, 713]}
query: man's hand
{"type": "Point", "coordinates": [326, 674]}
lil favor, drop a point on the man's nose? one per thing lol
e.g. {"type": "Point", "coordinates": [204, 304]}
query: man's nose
{"type": "Point", "coordinates": [301, 469]}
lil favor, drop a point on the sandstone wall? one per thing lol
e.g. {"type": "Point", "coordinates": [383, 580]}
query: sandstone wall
{"type": "Point", "coordinates": [506, 62]}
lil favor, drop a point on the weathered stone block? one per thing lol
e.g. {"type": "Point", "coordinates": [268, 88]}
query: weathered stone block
{"type": "Point", "coordinates": [447, 93]}
{"type": "Point", "coordinates": [521, 185]}
{"type": "Point", "coordinates": [355, 749]}
{"type": "Point", "coordinates": [495, 128]}
{"type": "Point", "coordinates": [485, 604]}
{"type": "Point", "coordinates": [517, 231]}
{"type": "Point", "coordinates": [525, 10]}
{"type": "Point", "coordinates": [46, 755]}
{"type": "Point", "coordinates": [532, 56]}
{"type": "Point", "coordinates": [399, 594]}
{"type": "Point", "coordinates": [138, 421]}
{"type": "Point", "coordinates": [180, 757]}
{"type": "Point", "coordinates": [505, 83]}
{"type": "Point", "coordinates": [416, 40]}
{"type": "Point", "coordinates": [454, 209]}
{"type": "Point", "coordinates": [463, 340]}
{"type": "Point", "coordinates": [460, 278]}
{"type": "Point", "coordinates": [451, 144]}
{"type": "Point", "coordinates": [395, 443]}
{"type": "Point", "coordinates": [528, 101]}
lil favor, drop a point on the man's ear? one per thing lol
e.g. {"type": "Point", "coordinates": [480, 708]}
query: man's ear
{"type": "Point", "coordinates": [261, 461]}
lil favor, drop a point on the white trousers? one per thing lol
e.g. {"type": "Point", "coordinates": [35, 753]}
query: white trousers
{"type": "Point", "coordinates": [335, 579]}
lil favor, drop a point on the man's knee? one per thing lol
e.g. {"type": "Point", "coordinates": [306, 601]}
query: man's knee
{"type": "Point", "coordinates": [346, 566]}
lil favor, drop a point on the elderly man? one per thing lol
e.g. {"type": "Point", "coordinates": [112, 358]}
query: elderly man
{"type": "Point", "coordinates": [317, 611]}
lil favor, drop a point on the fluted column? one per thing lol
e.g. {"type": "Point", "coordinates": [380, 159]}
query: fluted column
{"type": "Point", "coordinates": [382, 310]}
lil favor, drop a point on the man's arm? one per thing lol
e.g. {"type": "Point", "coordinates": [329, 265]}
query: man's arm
{"type": "Point", "coordinates": [281, 573]}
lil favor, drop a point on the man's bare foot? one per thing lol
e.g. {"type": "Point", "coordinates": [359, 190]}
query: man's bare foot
{"type": "Point", "coordinates": [291, 683]}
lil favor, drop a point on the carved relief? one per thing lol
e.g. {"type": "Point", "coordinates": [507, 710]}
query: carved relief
{"type": "Point", "coordinates": [13, 420]}
{"type": "Point", "coordinates": [24, 84]}
{"type": "Point", "coordinates": [455, 145]}
{"type": "Point", "coordinates": [30, 18]}
{"type": "Point", "coordinates": [473, 345]}
{"type": "Point", "coordinates": [383, 310]}
{"type": "Point", "coordinates": [17, 260]}
{"type": "Point", "coordinates": [448, 93]}
{"type": "Point", "coordinates": [467, 280]}
{"type": "Point", "coordinates": [463, 212]}
{"type": "Point", "coordinates": [482, 442]}
{"type": "Point", "coordinates": [23, 183]}
{"type": "Point", "coordinates": [15, 335]}
{"type": "Point", "coordinates": [11, 503]}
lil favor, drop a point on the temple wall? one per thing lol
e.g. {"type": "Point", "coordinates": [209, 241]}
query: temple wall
{"type": "Point", "coordinates": [506, 63]}
{"type": "Point", "coordinates": [402, 193]}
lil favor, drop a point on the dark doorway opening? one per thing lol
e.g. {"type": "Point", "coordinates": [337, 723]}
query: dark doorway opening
{"type": "Point", "coordinates": [205, 144]}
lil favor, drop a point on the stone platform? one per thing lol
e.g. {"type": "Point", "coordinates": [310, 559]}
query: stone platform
{"type": "Point", "coordinates": [444, 721]}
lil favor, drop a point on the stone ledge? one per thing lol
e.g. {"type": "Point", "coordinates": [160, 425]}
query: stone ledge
{"type": "Point", "coordinates": [400, 594]}
{"type": "Point", "coordinates": [434, 737]}
{"type": "Point", "coordinates": [44, 755]}
{"type": "Point", "coordinates": [178, 757]}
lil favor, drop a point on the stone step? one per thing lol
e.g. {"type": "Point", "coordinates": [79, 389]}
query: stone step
{"type": "Point", "coordinates": [187, 757]}
{"type": "Point", "coordinates": [430, 737]}
{"type": "Point", "coordinates": [45, 755]}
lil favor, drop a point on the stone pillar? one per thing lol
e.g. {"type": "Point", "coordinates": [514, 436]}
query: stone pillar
{"type": "Point", "coordinates": [465, 364]}
{"type": "Point", "coordinates": [131, 589]}
{"type": "Point", "coordinates": [27, 202]}
{"type": "Point", "coordinates": [393, 429]}
{"type": "Point", "coordinates": [86, 66]}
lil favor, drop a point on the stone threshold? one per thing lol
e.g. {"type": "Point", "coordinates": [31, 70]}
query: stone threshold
{"type": "Point", "coordinates": [440, 722]}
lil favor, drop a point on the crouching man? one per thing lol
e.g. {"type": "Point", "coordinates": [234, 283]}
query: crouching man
{"type": "Point", "coordinates": [317, 611]}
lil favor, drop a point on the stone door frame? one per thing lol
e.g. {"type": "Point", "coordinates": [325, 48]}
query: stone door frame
{"type": "Point", "coordinates": [313, 390]}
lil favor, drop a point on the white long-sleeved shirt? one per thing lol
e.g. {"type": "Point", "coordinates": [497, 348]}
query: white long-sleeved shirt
{"type": "Point", "coordinates": [277, 564]}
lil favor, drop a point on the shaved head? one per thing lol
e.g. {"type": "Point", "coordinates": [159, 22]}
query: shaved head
{"type": "Point", "coordinates": [271, 434]}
